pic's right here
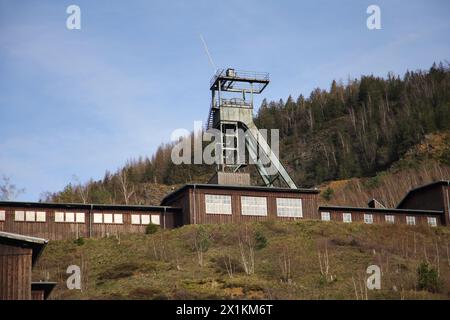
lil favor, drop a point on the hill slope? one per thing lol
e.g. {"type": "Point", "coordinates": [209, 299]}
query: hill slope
{"type": "Point", "coordinates": [289, 262]}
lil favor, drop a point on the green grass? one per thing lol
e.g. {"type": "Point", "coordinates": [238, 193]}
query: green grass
{"type": "Point", "coordinates": [165, 265]}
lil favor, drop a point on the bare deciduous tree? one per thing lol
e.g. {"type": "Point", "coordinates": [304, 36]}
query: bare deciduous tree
{"type": "Point", "coordinates": [8, 190]}
{"type": "Point", "coordinates": [247, 250]}
{"type": "Point", "coordinates": [127, 188]}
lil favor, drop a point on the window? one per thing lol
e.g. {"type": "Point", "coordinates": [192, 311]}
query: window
{"type": "Point", "coordinates": [347, 217]}
{"type": "Point", "coordinates": [389, 218]}
{"type": "Point", "coordinates": [59, 216]}
{"type": "Point", "coordinates": [2, 215]}
{"type": "Point", "coordinates": [80, 217]}
{"type": "Point", "coordinates": [410, 220]}
{"type": "Point", "coordinates": [325, 216]}
{"type": "Point", "coordinates": [107, 218]}
{"type": "Point", "coordinates": [70, 217]}
{"type": "Point", "coordinates": [432, 221]}
{"type": "Point", "coordinates": [218, 204]}
{"type": "Point", "coordinates": [118, 218]}
{"type": "Point", "coordinates": [98, 218]}
{"type": "Point", "coordinates": [145, 219]}
{"type": "Point", "coordinates": [40, 216]}
{"type": "Point", "coordinates": [135, 219]}
{"type": "Point", "coordinates": [19, 216]}
{"type": "Point", "coordinates": [289, 207]}
{"type": "Point", "coordinates": [155, 219]}
{"type": "Point", "coordinates": [30, 216]}
{"type": "Point", "coordinates": [254, 206]}
{"type": "Point", "coordinates": [368, 218]}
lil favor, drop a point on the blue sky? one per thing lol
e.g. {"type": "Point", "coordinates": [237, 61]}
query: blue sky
{"type": "Point", "coordinates": [79, 102]}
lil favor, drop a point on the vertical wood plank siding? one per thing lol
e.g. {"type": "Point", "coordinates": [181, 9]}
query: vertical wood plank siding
{"type": "Point", "coordinates": [15, 273]}
{"type": "Point", "coordinates": [69, 230]}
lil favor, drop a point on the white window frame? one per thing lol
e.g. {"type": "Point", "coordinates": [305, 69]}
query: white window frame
{"type": "Point", "coordinates": [135, 219]}
{"type": "Point", "coordinates": [218, 204]}
{"type": "Point", "coordinates": [80, 217]}
{"type": "Point", "coordinates": [108, 218]}
{"type": "Point", "coordinates": [345, 217]}
{"type": "Point", "coordinates": [118, 218]}
{"type": "Point", "coordinates": [432, 221]}
{"type": "Point", "coordinates": [368, 218]}
{"type": "Point", "coordinates": [145, 219]}
{"type": "Point", "coordinates": [325, 216]}
{"type": "Point", "coordinates": [98, 218]}
{"type": "Point", "coordinates": [30, 216]}
{"type": "Point", "coordinates": [155, 219]}
{"type": "Point", "coordinates": [2, 215]}
{"type": "Point", "coordinates": [70, 217]}
{"type": "Point", "coordinates": [41, 216]}
{"type": "Point", "coordinates": [290, 207]}
{"type": "Point", "coordinates": [59, 216]}
{"type": "Point", "coordinates": [251, 209]}
{"type": "Point", "coordinates": [411, 220]}
{"type": "Point", "coordinates": [19, 215]}
{"type": "Point", "coordinates": [389, 218]}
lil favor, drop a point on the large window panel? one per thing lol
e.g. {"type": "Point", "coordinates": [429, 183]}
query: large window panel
{"type": "Point", "coordinates": [30, 216]}
{"type": "Point", "coordinates": [40, 216]}
{"type": "Point", "coordinates": [289, 207]}
{"type": "Point", "coordinates": [253, 206]}
{"type": "Point", "coordinates": [19, 215]}
{"type": "Point", "coordinates": [218, 204]}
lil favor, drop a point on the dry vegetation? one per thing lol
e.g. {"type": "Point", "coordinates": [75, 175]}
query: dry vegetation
{"type": "Point", "coordinates": [270, 260]}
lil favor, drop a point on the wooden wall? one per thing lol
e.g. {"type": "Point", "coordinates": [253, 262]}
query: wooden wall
{"type": "Point", "coordinates": [15, 273]}
{"type": "Point", "coordinates": [68, 230]}
{"type": "Point", "coordinates": [193, 203]}
{"type": "Point", "coordinates": [429, 198]}
{"type": "Point", "coordinates": [37, 295]}
{"type": "Point", "coordinates": [378, 217]}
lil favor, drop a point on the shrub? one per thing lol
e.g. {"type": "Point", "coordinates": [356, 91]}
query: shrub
{"type": "Point", "coordinates": [79, 241]}
{"type": "Point", "coordinates": [119, 271]}
{"type": "Point", "coordinates": [428, 278]}
{"type": "Point", "coordinates": [151, 228]}
{"type": "Point", "coordinates": [260, 240]}
{"type": "Point", "coordinates": [327, 194]}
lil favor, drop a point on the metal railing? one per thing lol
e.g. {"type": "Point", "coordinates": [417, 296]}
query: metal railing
{"type": "Point", "coordinates": [239, 74]}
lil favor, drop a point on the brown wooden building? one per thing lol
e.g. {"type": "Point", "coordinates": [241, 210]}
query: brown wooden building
{"type": "Point", "coordinates": [432, 196]}
{"type": "Point", "coordinates": [69, 221]}
{"type": "Point", "coordinates": [380, 215]}
{"type": "Point", "coordinates": [18, 254]}
{"type": "Point", "coordinates": [213, 203]}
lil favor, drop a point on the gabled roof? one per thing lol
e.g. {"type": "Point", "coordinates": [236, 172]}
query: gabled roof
{"type": "Point", "coordinates": [425, 186]}
{"type": "Point", "coordinates": [13, 239]}
{"type": "Point", "coordinates": [84, 206]}
{"type": "Point", "coordinates": [235, 187]}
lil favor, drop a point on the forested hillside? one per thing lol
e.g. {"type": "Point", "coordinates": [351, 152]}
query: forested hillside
{"type": "Point", "coordinates": [354, 129]}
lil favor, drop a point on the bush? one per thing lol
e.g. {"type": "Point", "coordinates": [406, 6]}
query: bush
{"type": "Point", "coordinates": [151, 228]}
{"type": "Point", "coordinates": [79, 241]}
{"type": "Point", "coordinates": [428, 278]}
{"type": "Point", "coordinates": [327, 194]}
{"type": "Point", "coordinates": [260, 240]}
